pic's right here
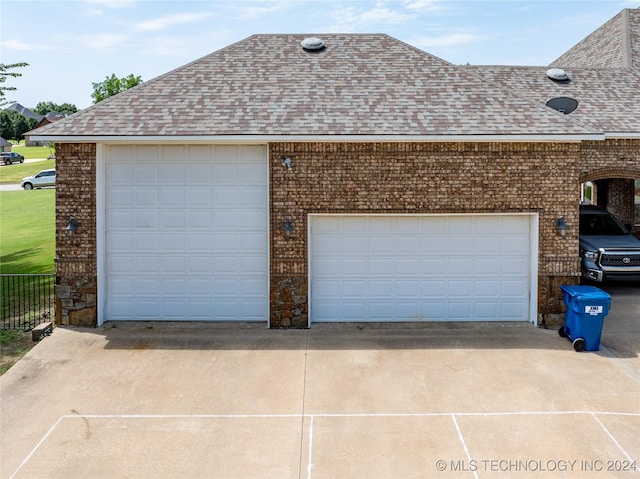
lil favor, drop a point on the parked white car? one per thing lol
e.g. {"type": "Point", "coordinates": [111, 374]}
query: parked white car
{"type": "Point", "coordinates": [43, 178]}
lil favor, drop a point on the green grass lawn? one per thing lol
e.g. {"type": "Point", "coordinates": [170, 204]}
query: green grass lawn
{"type": "Point", "coordinates": [31, 152]}
{"type": "Point", "coordinates": [27, 245]}
{"type": "Point", "coordinates": [12, 174]}
{"type": "Point", "coordinates": [27, 231]}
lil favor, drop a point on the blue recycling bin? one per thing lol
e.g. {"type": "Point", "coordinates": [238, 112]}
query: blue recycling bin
{"type": "Point", "coordinates": [587, 307]}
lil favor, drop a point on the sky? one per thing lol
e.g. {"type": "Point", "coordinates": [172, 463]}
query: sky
{"type": "Point", "coordinates": [70, 44]}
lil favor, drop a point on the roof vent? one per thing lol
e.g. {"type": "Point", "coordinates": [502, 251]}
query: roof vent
{"type": "Point", "coordinates": [563, 104]}
{"type": "Point", "coordinates": [558, 74]}
{"type": "Point", "coordinates": [313, 45]}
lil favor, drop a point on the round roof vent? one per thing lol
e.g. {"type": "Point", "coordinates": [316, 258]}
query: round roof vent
{"type": "Point", "coordinates": [563, 104]}
{"type": "Point", "coordinates": [558, 74]}
{"type": "Point", "coordinates": [312, 44]}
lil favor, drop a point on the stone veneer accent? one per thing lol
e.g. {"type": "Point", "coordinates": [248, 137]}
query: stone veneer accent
{"type": "Point", "coordinates": [371, 178]}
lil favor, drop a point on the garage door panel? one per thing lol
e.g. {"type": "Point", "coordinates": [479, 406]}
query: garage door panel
{"type": "Point", "coordinates": [199, 242]}
{"type": "Point", "coordinates": [119, 265]}
{"type": "Point", "coordinates": [177, 286]}
{"type": "Point", "coordinates": [411, 268]}
{"type": "Point", "coordinates": [199, 176]}
{"type": "Point", "coordinates": [459, 288]}
{"type": "Point", "coordinates": [512, 311]}
{"type": "Point", "coordinates": [380, 289]}
{"type": "Point", "coordinates": [145, 220]}
{"type": "Point", "coordinates": [457, 245]}
{"type": "Point", "coordinates": [460, 311]}
{"type": "Point", "coordinates": [172, 220]}
{"type": "Point", "coordinates": [120, 197]}
{"type": "Point", "coordinates": [172, 198]}
{"type": "Point", "coordinates": [186, 233]}
{"type": "Point", "coordinates": [146, 264]}
{"type": "Point", "coordinates": [487, 288]}
{"type": "Point", "coordinates": [380, 267]}
{"type": "Point", "coordinates": [513, 288]}
{"type": "Point", "coordinates": [172, 264]}
{"type": "Point", "coordinates": [460, 226]}
{"type": "Point", "coordinates": [348, 266]}
{"type": "Point", "coordinates": [437, 267]}
{"type": "Point", "coordinates": [327, 290]}
{"type": "Point", "coordinates": [171, 175]}
{"type": "Point", "coordinates": [486, 245]}
{"type": "Point", "coordinates": [407, 266]}
{"type": "Point", "coordinates": [486, 311]}
{"type": "Point", "coordinates": [198, 198]}
{"type": "Point", "coordinates": [513, 245]}
{"type": "Point", "coordinates": [434, 289]}
{"type": "Point", "coordinates": [461, 266]}
{"type": "Point", "coordinates": [145, 175]}
{"type": "Point", "coordinates": [144, 243]}
{"type": "Point", "coordinates": [408, 288]}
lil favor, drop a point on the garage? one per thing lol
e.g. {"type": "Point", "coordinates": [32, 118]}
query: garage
{"type": "Point", "coordinates": [185, 232]}
{"type": "Point", "coordinates": [379, 268]}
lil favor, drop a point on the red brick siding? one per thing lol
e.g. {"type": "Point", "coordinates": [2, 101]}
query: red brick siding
{"type": "Point", "coordinates": [76, 275]}
{"type": "Point", "coordinates": [367, 178]}
{"type": "Point", "coordinates": [421, 178]}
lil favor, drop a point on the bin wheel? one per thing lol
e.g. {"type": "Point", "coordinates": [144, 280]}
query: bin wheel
{"type": "Point", "coordinates": [562, 332]}
{"type": "Point", "coordinates": [579, 345]}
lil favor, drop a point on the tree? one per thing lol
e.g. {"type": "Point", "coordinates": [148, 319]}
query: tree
{"type": "Point", "coordinates": [13, 125]}
{"type": "Point", "coordinates": [113, 85]}
{"type": "Point", "coordinates": [4, 73]}
{"type": "Point", "coordinates": [44, 107]}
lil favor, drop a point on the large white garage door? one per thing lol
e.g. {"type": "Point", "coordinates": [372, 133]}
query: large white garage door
{"type": "Point", "coordinates": [421, 268]}
{"type": "Point", "coordinates": [186, 234]}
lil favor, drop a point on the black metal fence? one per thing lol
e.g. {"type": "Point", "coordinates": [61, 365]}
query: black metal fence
{"type": "Point", "coordinates": [27, 300]}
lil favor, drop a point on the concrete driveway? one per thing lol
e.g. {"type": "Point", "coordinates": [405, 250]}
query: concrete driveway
{"type": "Point", "coordinates": [168, 400]}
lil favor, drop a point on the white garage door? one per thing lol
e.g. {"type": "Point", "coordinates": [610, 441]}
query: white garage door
{"type": "Point", "coordinates": [421, 268]}
{"type": "Point", "coordinates": [186, 234]}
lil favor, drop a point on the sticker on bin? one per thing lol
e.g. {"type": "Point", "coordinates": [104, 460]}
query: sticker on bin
{"type": "Point", "coordinates": [593, 310]}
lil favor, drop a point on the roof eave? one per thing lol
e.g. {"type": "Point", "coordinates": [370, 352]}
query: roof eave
{"type": "Point", "coordinates": [262, 139]}
{"type": "Point", "coordinates": [623, 135]}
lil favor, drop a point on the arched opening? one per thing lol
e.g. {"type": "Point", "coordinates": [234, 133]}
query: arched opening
{"type": "Point", "coordinates": [617, 192]}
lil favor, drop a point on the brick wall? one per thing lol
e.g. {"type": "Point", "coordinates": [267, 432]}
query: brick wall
{"type": "Point", "coordinates": [370, 178]}
{"type": "Point", "coordinates": [421, 178]}
{"type": "Point", "coordinates": [76, 275]}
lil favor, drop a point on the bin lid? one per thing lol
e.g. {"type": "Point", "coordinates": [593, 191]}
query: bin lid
{"type": "Point", "coordinates": [586, 292]}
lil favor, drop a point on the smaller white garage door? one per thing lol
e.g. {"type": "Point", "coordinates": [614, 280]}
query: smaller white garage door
{"type": "Point", "coordinates": [422, 268]}
{"type": "Point", "coordinates": [186, 233]}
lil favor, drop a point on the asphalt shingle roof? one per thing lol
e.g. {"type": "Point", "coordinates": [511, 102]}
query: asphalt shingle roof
{"type": "Point", "coordinates": [608, 99]}
{"type": "Point", "coordinates": [361, 84]}
{"type": "Point", "coordinates": [616, 44]}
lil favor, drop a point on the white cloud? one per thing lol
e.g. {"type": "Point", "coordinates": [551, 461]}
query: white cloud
{"type": "Point", "coordinates": [161, 23]}
{"type": "Point", "coordinates": [350, 18]}
{"type": "Point", "coordinates": [15, 45]}
{"type": "Point", "coordinates": [450, 40]}
{"type": "Point", "coordinates": [110, 3]}
{"type": "Point", "coordinates": [422, 4]}
{"type": "Point", "coordinates": [261, 10]}
{"type": "Point", "coordinates": [103, 41]}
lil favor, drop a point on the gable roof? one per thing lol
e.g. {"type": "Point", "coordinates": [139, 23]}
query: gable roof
{"type": "Point", "coordinates": [616, 44]}
{"type": "Point", "coordinates": [4, 142]}
{"type": "Point", "coordinates": [608, 100]}
{"type": "Point", "coordinates": [361, 85]}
